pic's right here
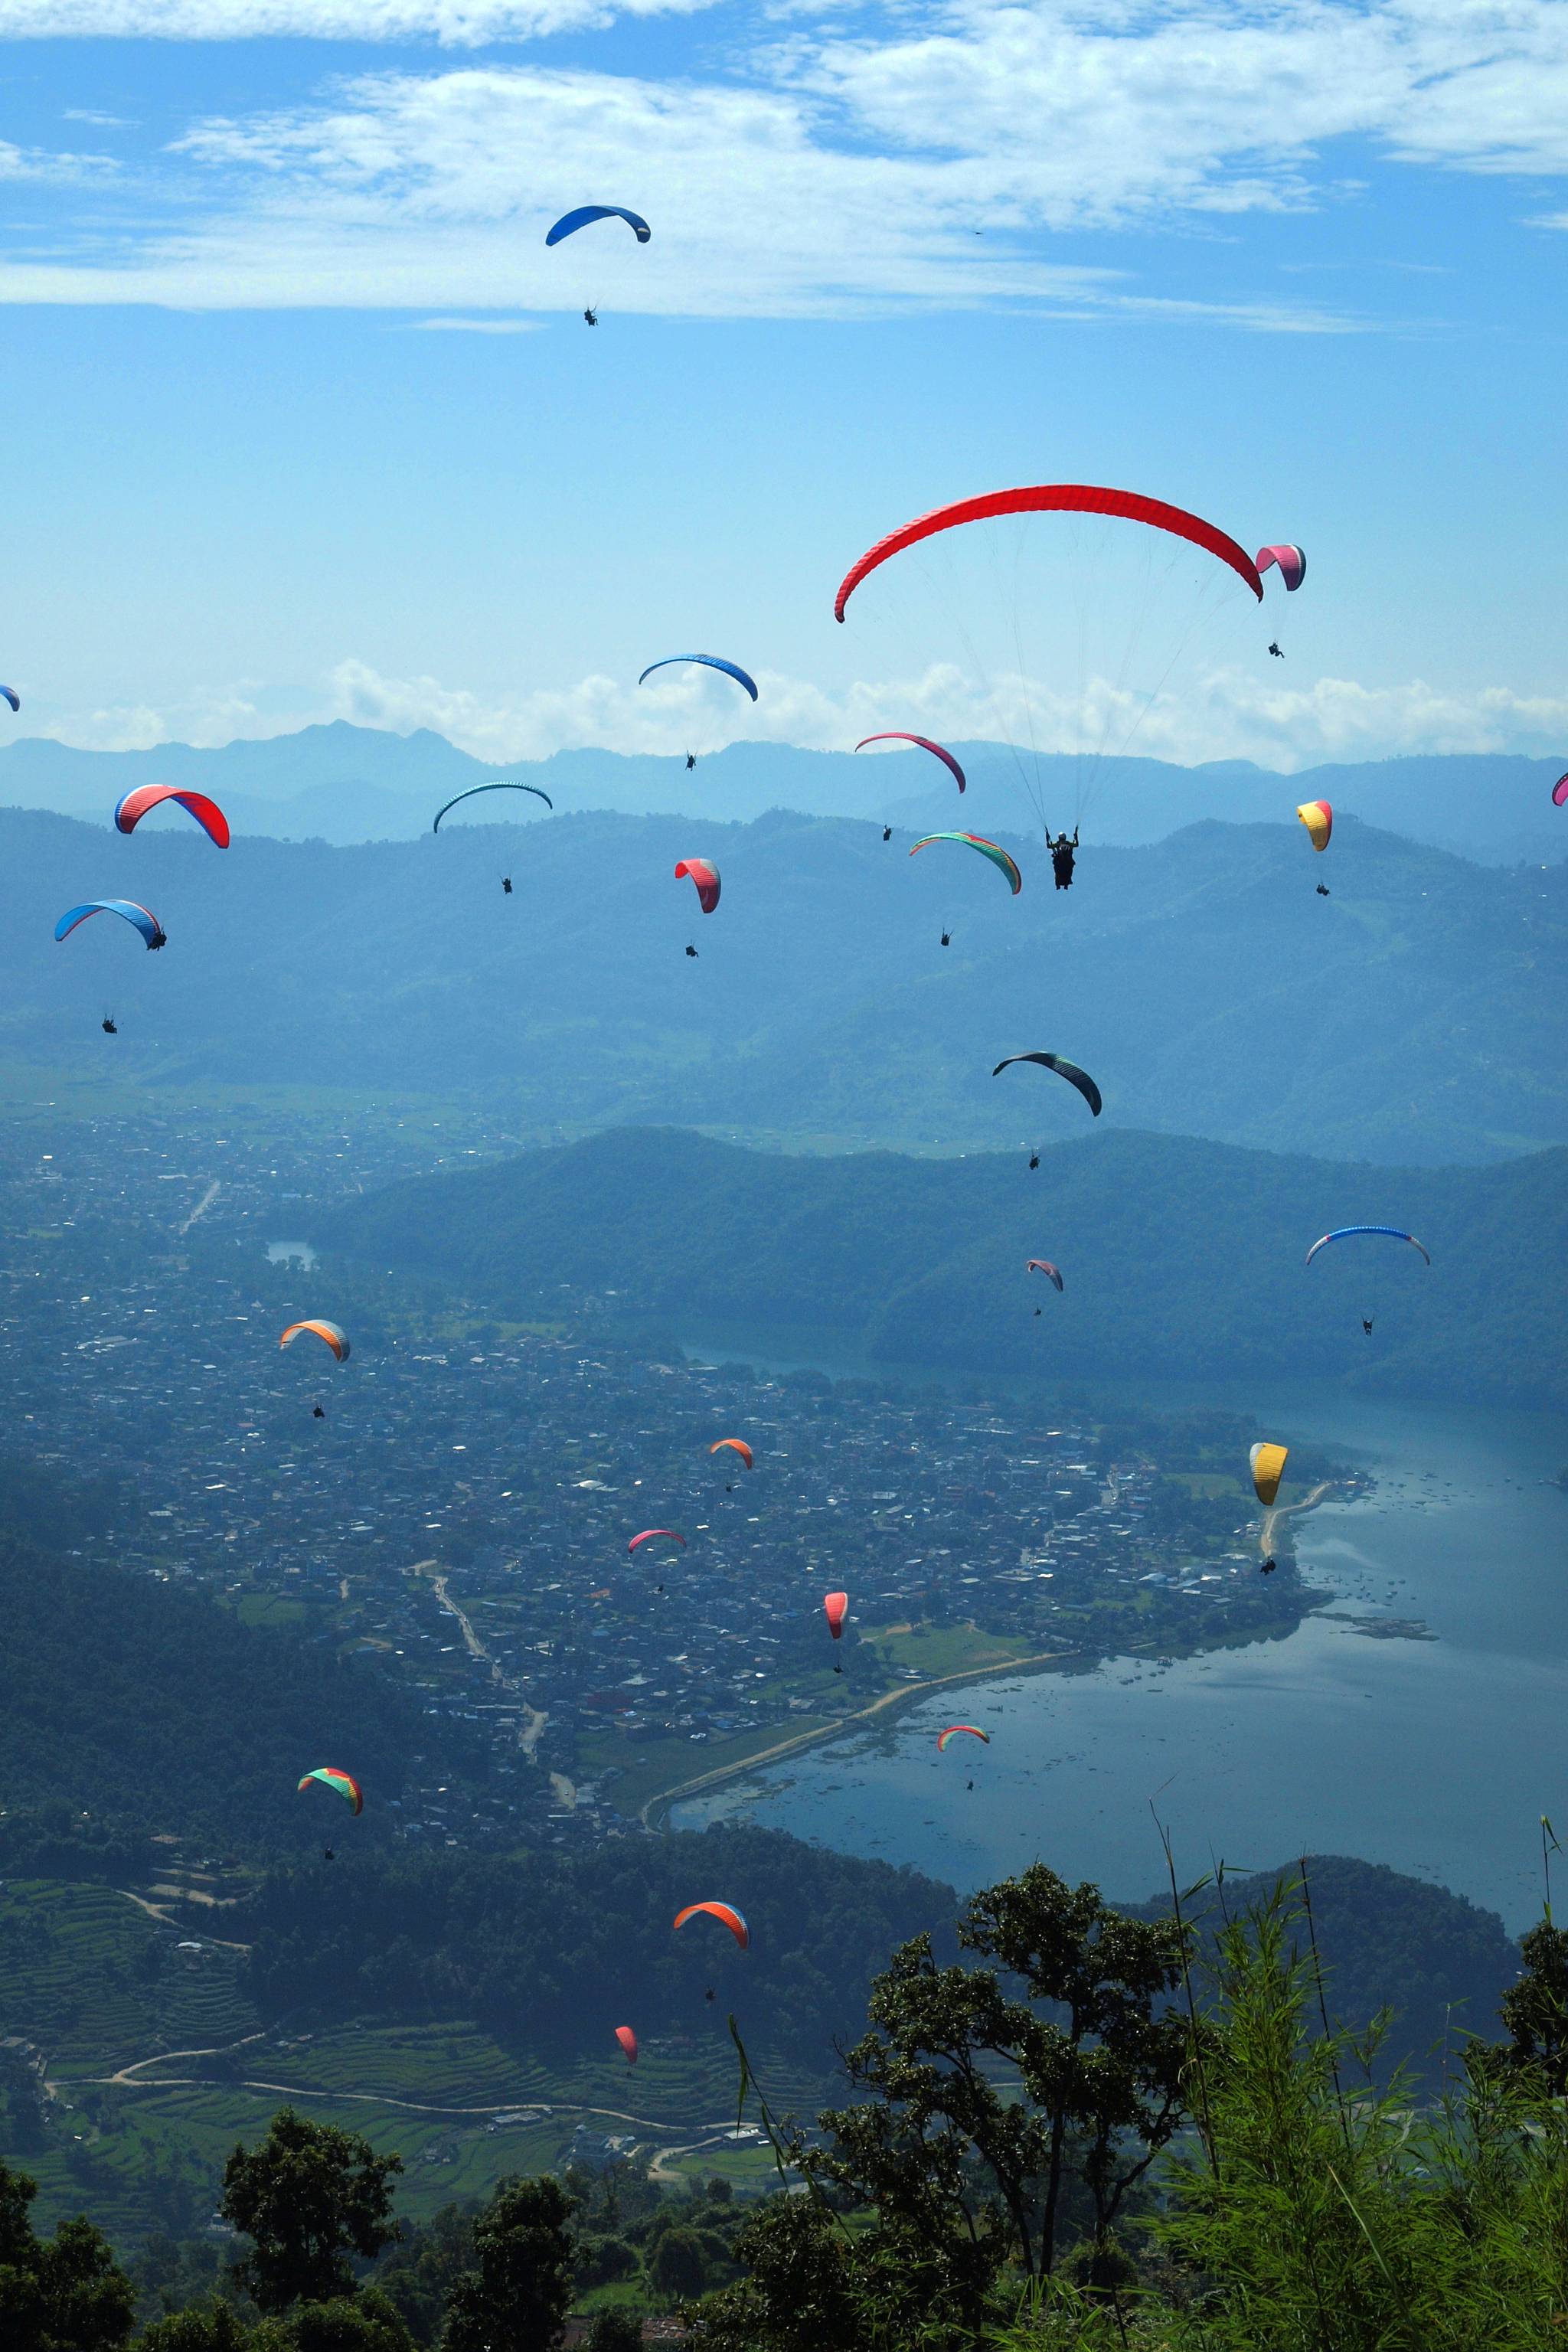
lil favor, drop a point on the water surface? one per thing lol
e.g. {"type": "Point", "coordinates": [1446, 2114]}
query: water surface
{"type": "Point", "coordinates": [1436, 1756]}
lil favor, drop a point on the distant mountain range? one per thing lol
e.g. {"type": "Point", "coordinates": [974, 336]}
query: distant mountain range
{"type": "Point", "coordinates": [1181, 1260]}
{"type": "Point", "coordinates": [342, 783]}
{"type": "Point", "coordinates": [1414, 1016]}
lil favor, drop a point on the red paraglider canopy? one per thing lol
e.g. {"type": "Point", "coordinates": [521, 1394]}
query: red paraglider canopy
{"type": "Point", "coordinates": [836, 1606]}
{"type": "Point", "coordinates": [705, 875]}
{"type": "Point", "coordinates": [134, 805]}
{"type": "Point", "coordinates": [1054, 498]}
{"type": "Point", "coordinates": [628, 2042]}
{"type": "Point", "coordinates": [921, 742]}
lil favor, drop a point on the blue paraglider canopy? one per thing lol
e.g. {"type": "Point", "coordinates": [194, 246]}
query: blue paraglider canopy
{"type": "Point", "coordinates": [569, 222]}
{"type": "Point", "coordinates": [144, 920]}
{"type": "Point", "coordinates": [711, 661]}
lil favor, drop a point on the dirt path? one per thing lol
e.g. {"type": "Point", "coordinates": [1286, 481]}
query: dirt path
{"type": "Point", "coordinates": [203, 1205]}
{"type": "Point", "coordinates": [156, 1911]}
{"type": "Point", "coordinates": [534, 1718]}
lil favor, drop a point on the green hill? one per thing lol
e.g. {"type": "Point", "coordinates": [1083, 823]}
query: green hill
{"type": "Point", "coordinates": [1409, 1018]}
{"type": "Point", "coordinates": [1181, 1259]}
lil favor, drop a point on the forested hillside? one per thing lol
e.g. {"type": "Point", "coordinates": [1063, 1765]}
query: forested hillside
{"type": "Point", "coordinates": [1204, 982]}
{"type": "Point", "coordinates": [129, 1708]}
{"type": "Point", "coordinates": [1180, 1259]}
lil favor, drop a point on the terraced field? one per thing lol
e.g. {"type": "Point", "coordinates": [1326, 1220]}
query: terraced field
{"type": "Point", "coordinates": [156, 2067]}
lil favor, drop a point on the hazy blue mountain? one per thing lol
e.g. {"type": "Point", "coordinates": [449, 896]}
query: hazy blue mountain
{"type": "Point", "coordinates": [1412, 1016]}
{"type": "Point", "coordinates": [343, 784]}
{"type": "Point", "coordinates": [1180, 1259]}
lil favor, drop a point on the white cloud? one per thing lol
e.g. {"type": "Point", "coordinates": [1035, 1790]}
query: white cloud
{"type": "Point", "coordinates": [919, 162]}
{"type": "Point", "coordinates": [1227, 715]}
{"type": "Point", "coordinates": [455, 24]}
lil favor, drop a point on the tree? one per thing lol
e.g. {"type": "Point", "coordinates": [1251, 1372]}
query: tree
{"type": "Point", "coordinates": [211, 2326]}
{"type": "Point", "coordinates": [517, 2296]}
{"type": "Point", "coordinates": [349, 2323]}
{"type": "Point", "coordinates": [1535, 2011]}
{"type": "Point", "coordinates": [615, 2329]}
{"type": "Point", "coordinates": [307, 2197]}
{"type": "Point", "coordinates": [64, 2294]}
{"type": "Point", "coordinates": [803, 2291]}
{"type": "Point", "coordinates": [679, 2268]}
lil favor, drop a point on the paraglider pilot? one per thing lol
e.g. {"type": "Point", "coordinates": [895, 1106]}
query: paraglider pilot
{"type": "Point", "coordinates": [947, 938]}
{"type": "Point", "coordinates": [1268, 1568]}
{"type": "Point", "coordinates": [506, 884]}
{"type": "Point", "coordinates": [109, 1028]}
{"type": "Point", "coordinates": [592, 317]}
{"type": "Point", "coordinates": [691, 761]}
{"type": "Point", "coordinates": [1062, 853]}
{"type": "Point", "coordinates": [690, 951]}
{"type": "Point", "coordinates": [1033, 1159]}
{"type": "Point", "coordinates": [1278, 652]}
{"type": "Point", "coordinates": [886, 833]}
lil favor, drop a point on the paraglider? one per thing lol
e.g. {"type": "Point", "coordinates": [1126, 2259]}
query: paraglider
{"type": "Point", "coordinates": [628, 2042]}
{"type": "Point", "coordinates": [140, 918]}
{"type": "Point", "coordinates": [690, 951]}
{"type": "Point", "coordinates": [648, 1534]}
{"type": "Point", "coordinates": [886, 833]}
{"type": "Point", "coordinates": [947, 938]}
{"type": "Point", "coordinates": [583, 214]}
{"type": "Point", "coordinates": [1063, 852]}
{"type": "Point", "coordinates": [1064, 1069]}
{"type": "Point", "coordinates": [342, 1784]}
{"type": "Point", "coordinates": [1276, 649]}
{"type": "Point", "coordinates": [1319, 819]}
{"type": "Point", "coordinates": [834, 1608]}
{"type": "Point", "coordinates": [591, 317]}
{"type": "Point", "coordinates": [725, 1913]}
{"type": "Point", "coordinates": [1291, 562]}
{"type": "Point", "coordinates": [109, 1028]}
{"type": "Point", "coordinates": [944, 1738]}
{"type": "Point", "coordinates": [738, 1444]}
{"type": "Point", "coordinates": [1268, 1467]}
{"type": "Point", "coordinates": [691, 761]}
{"type": "Point", "coordinates": [922, 744]}
{"type": "Point", "coordinates": [503, 784]}
{"type": "Point", "coordinates": [1560, 791]}
{"type": "Point", "coordinates": [709, 661]}
{"type": "Point", "coordinates": [1323, 890]}
{"type": "Point", "coordinates": [506, 886]}
{"type": "Point", "coordinates": [1053, 498]}
{"type": "Point", "coordinates": [1344, 1233]}
{"type": "Point", "coordinates": [12, 697]}
{"type": "Point", "coordinates": [1034, 1156]}
{"type": "Point", "coordinates": [998, 858]}
{"type": "Point", "coordinates": [704, 876]}
{"type": "Point", "coordinates": [132, 806]}
{"type": "Point", "coordinates": [330, 1334]}
{"type": "Point", "coordinates": [1042, 1265]}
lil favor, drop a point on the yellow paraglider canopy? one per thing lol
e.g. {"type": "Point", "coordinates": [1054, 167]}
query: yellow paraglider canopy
{"type": "Point", "coordinates": [1319, 819]}
{"type": "Point", "coordinates": [1267, 1469]}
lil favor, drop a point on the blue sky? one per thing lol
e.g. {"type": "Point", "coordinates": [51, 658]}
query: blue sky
{"type": "Point", "coordinates": [303, 420]}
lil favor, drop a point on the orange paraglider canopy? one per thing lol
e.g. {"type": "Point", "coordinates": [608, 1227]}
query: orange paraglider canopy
{"type": "Point", "coordinates": [725, 1912]}
{"type": "Point", "coordinates": [836, 1606]}
{"type": "Point", "coordinates": [738, 1443]}
{"type": "Point", "coordinates": [628, 2042]}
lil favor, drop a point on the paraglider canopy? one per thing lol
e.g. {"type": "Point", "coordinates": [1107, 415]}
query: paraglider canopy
{"type": "Point", "coordinates": [1054, 498]}
{"type": "Point", "coordinates": [921, 742]}
{"type": "Point", "coordinates": [1319, 819]}
{"type": "Point", "coordinates": [944, 1738]}
{"type": "Point", "coordinates": [709, 661]}
{"type": "Point", "coordinates": [628, 2042]}
{"type": "Point", "coordinates": [583, 214]}
{"type": "Point", "coordinates": [503, 784]}
{"type": "Point", "coordinates": [1560, 791]}
{"type": "Point", "coordinates": [725, 1912]}
{"type": "Point", "coordinates": [705, 875]}
{"type": "Point", "coordinates": [739, 1445]}
{"type": "Point", "coordinates": [333, 1334]}
{"type": "Point", "coordinates": [1042, 1265]}
{"type": "Point", "coordinates": [132, 807]}
{"type": "Point", "coordinates": [999, 857]}
{"type": "Point", "coordinates": [342, 1784]}
{"type": "Point", "coordinates": [1268, 1467]}
{"type": "Point", "coordinates": [12, 697]}
{"type": "Point", "coordinates": [1344, 1233]}
{"type": "Point", "coordinates": [1291, 561]}
{"type": "Point", "coordinates": [139, 917]}
{"type": "Point", "coordinates": [648, 1534]}
{"type": "Point", "coordinates": [1064, 1069]}
{"type": "Point", "coordinates": [835, 1607]}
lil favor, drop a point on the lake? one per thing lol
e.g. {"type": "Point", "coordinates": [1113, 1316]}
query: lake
{"type": "Point", "coordinates": [1435, 1756]}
